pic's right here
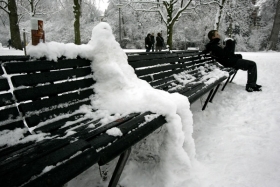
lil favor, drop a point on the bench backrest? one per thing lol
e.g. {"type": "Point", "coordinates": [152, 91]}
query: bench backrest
{"type": "Point", "coordinates": [159, 70]}
{"type": "Point", "coordinates": [49, 92]}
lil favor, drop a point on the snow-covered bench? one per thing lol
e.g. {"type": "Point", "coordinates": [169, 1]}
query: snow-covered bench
{"type": "Point", "coordinates": [49, 133]}
{"type": "Point", "coordinates": [184, 72]}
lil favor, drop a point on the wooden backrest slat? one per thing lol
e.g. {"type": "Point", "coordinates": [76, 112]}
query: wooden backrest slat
{"type": "Point", "coordinates": [33, 120]}
{"type": "Point", "coordinates": [152, 62]}
{"type": "Point", "coordinates": [35, 66]}
{"type": "Point", "coordinates": [12, 125]}
{"type": "Point", "coordinates": [55, 126]}
{"type": "Point", "coordinates": [54, 102]}
{"type": "Point", "coordinates": [47, 77]}
{"type": "Point", "coordinates": [162, 81]}
{"type": "Point", "coordinates": [157, 69]}
{"type": "Point", "coordinates": [13, 58]}
{"type": "Point", "coordinates": [180, 55]}
{"type": "Point", "coordinates": [51, 90]}
{"type": "Point", "coordinates": [4, 85]}
{"type": "Point", "coordinates": [163, 75]}
{"type": "Point", "coordinates": [8, 114]}
{"type": "Point", "coordinates": [1, 70]}
{"type": "Point", "coordinates": [6, 99]}
{"type": "Point", "coordinates": [150, 56]}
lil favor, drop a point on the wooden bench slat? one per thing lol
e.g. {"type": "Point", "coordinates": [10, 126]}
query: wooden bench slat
{"type": "Point", "coordinates": [132, 58]}
{"type": "Point", "coordinates": [206, 89]}
{"type": "Point", "coordinates": [161, 75]}
{"type": "Point", "coordinates": [49, 77]}
{"type": "Point", "coordinates": [26, 172]}
{"type": "Point", "coordinates": [12, 125]}
{"type": "Point", "coordinates": [44, 116]}
{"type": "Point", "coordinates": [34, 66]}
{"type": "Point", "coordinates": [6, 58]}
{"type": "Point", "coordinates": [50, 90]}
{"type": "Point", "coordinates": [153, 70]}
{"type": "Point", "coordinates": [54, 127]}
{"type": "Point", "coordinates": [6, 99]}
{"type": "Point", "coordinates": [1, 70]}
{"type": "Point", "coordinates": [9, 114]}
{"type": "Point", "coordinates": [27, 152]}
{"type": "Point", "coordinates": [4, 85]}
{"type": "Point", "coordinates": [130, 138]}
{"type": "Point", "coordinates": [101, 129]}
{"type": "Point", "coordinates": [67, 170]}
{"type": "Point", "coordinates": [162, 81]}
{"type": "Point", "coordinates": [154, 62]}
{"type": "Point", "coordinates": [55, 102]}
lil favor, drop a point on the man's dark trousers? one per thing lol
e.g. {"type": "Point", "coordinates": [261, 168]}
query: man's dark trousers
{"type": "Point", "coordinates": [251, 68]}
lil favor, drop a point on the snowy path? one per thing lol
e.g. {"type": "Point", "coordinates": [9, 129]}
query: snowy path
{"type": "Point", "coordinates": [238, 136]}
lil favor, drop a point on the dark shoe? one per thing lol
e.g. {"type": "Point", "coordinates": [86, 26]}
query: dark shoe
{"type": "Point", "coordinates": [253, 89]}
{"type": "Point", "coordinates": [258, 86]}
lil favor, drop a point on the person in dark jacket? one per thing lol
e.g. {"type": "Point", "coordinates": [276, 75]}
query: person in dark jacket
{"type": "Point", "coordinates": [160, 42]}
{"type": "Point", "coordinates": [148, 43]}
{"type": "Point", "coordinates": [227, 58]}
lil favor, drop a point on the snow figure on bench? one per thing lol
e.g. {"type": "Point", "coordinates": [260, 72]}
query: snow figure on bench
{"type": "Point", "coordinates": [119, 90]}
{"type": "Point", "coordinates": [227, 58]}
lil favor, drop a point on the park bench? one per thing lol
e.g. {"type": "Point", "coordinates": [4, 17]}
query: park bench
{"type": "Point", "coordinates": [159, 69]}
{"type": "Point", "coordinates": [40, 102]}
{"type": "Point", "coordinates": [46, 97]}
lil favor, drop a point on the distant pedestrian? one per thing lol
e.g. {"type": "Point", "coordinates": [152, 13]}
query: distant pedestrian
{"type": "Point", "coordinates": [9, 43]}
{"type": "Point", "coordinates": [160, 42]}
{"type": "Point", "coordinates": [148, 43]}
{"type": "Point", "coordinates": [153, 42]}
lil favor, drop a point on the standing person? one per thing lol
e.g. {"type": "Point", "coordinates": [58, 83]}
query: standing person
{"type": "Point", "coordinates": [160, 42]}
{"type": "Point", "coordinates": [148, 43]}
{"type": "Point", "coordinates": [153, 42]}
{"type": "Point", "coordinates": [227, 58]}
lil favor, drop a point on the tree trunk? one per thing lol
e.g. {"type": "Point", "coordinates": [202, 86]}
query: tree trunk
{"type": "Point", "coordinates": [14, 27]}
{"type": "Point", "coordinates": [273, 39]}
{"type": "Point", "coordinates": [170, 36]}
{"type": "Point", "coordinates": [77, 14]}
{"type": "Point", "coordinates": [219, 14]}
{"type": "Point", "coordinates": [169, 26]}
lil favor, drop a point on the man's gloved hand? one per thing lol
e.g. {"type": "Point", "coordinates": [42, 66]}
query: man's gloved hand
{"type": "Point", "coordinates": [229, 41]}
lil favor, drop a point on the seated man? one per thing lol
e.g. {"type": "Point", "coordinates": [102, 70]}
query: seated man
{"type": "Point", "coordinates": [227, 58]}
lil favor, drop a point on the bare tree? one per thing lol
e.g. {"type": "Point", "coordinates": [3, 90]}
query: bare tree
{"type": "Point", "coordinates": [77, 15]}
{"type": "Point", "coordinates": [273, 39]}
{"type": "Point", "coordinates": [219, 14]}
{"type": "Point", "coordinates": [10, 7]}
{"type": "Point", "coordinates": [172, 10]}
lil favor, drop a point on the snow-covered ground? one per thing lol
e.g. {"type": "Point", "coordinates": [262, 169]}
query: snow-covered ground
{"type": "Point", "coordinates": [236, 140]}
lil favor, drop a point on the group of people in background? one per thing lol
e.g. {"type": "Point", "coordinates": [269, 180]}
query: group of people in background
{"type": "Point", "coordinates": [150, 42]}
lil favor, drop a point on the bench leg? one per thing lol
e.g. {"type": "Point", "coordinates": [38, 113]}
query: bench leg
{"type": "Point", "coordinates": [119, 168]}
{"type": "Point", "coordinates": [207, 100]}
{"type": "Point", "coordinates": [233, 76]}
{"type": "Point", "coordinates": [213, 95]}
{"type": "Point", "coordinates": [225, 83]}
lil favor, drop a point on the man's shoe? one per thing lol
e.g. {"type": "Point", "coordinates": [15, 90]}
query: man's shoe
{"type": "Point", "coordinates": [253, 89]}
{"type": "Point", "coordinates": [249, 89]}
{"type": "Point", "coordinates": [258, 86]}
